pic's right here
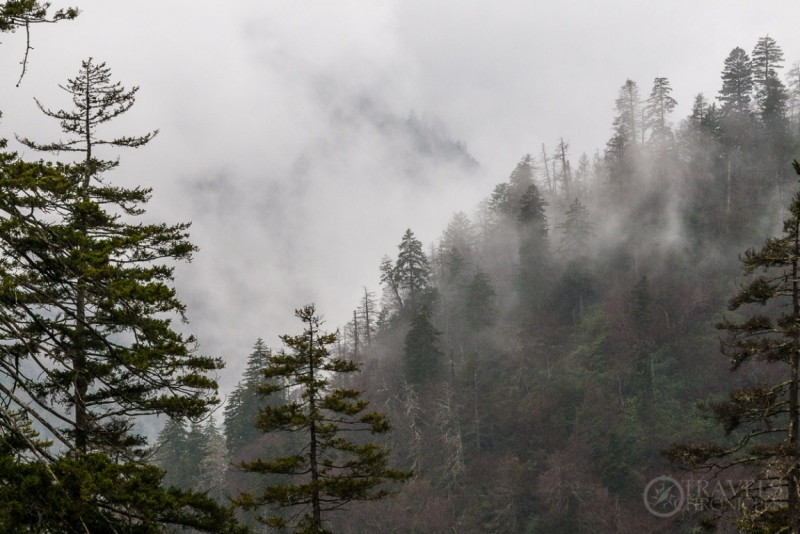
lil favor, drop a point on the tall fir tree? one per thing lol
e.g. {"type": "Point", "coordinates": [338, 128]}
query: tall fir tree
{"type": "Point", "coordinates": [330, 469]}
{"type": "Point", "coordinates": [534, 252]}
{"type": "Point", "coordinates": [88, 346]}
{"type": "Point", "coordinates": [243, 405]}
{"type": "Point", "coordinates": [423, 361]}
{"type": "Point", "coordinates": [657, 110]}
{"type": "Point", "coordinates": [737, 83]}
{"type": "Point", "coordinates": [762, 418]}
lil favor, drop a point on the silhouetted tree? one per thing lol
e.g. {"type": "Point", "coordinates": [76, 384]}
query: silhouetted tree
{"type": "Point", "coordinates": [329, 469]}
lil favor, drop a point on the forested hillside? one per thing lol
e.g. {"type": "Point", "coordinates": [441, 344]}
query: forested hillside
{"type": "Point", "coordinates": [537, 358]}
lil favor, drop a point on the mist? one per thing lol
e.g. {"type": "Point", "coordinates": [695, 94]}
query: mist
{"type": "Point", "coordinates": [274, 138]}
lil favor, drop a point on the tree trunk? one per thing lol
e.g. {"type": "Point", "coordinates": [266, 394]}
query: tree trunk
{"type": "Point", "coordinates": [792, 487]}
{"type": "Point", "coordinates": [312, 454]}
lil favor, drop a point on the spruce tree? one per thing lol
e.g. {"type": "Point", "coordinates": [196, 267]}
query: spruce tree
{"type": "Point", "coordinates": [762, 418]}
{"type": "Point", "coordinates": [521, 177]}
{"type": "Point", "coordinates": [412, 267]}
{"type": "Point", "coordinates": [460, 234]}
{"type": "Point", "coordinates": [330, 469]}
{"type": "Point", "coordinates": [737, 82]}
{"type": "Point", "coordinates": [422, 359]}
{"type": "Point", "coordinates": [242, 406]}
{"type": "Point", "coordinates": [171, 453]}
{"type": "Point", "coordinates": [659, 105]}
{"type": "Point", "coordinates": [576, 232]}
{"type": "Point", "coordinates": [480, 307]}
{"type": "Point", "coordinates": [88, 346]}
{"type": "Point", "coordinates": [534, 251]}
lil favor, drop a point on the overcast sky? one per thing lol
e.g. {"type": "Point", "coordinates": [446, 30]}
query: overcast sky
{"type": "Point", "coordinates": [270, 115]}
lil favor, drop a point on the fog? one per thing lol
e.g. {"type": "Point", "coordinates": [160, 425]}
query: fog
{"type": "Point", "coordinates": [302, 140]}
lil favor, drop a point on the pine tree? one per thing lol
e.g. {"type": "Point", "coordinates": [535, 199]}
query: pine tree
{"type": "Point", "coordinates": [480, 301]}
{"type": "Point", "coordinates": [459, 234]}
{"type": "Point", "coordinates": [659, 105]}
{"type": "Point", "coordinates": [422, 359]}
{"type": "Point", "coordinates": [771, 94]}
{"type": "Point", "coordinates": [412, 269]}
{"type": "Point", "coordinates": [737, 83]}
{"type": "Point", "coordinates": [576, 232]}
{"type": "Point", "coordinates": [534, 254]}
{"type": "Point", "coordinates": [213, 465]}
{"type": "Point", "coordinates": [329, 470]}
{"type": "Point", "coordinates": [242, 406]}
{"type": "Point", "coordinates": [171, 453]}
{"type": "Point", "coordinates": [87, 305]}
{"type": "Point", "coordinates": [622, 147]}
{"type": "Point", "coordinates": [521, 177]}
{"type": "Point", "coordinates": [502, 202]}
{"type": "Point", "coordinates": [764, 418]}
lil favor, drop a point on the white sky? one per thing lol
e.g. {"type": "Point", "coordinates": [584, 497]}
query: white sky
{"type": "Point", "coordinates": [293, 195]}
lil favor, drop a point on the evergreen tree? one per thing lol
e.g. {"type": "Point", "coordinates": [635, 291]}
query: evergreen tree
{"type": "Point", "coordinates": [621, 148]}
{"type": "Point", "coordinates": [502, 202]}
{"type": "Point", "coordinates": [213, 465]}
{"type": "Point", "coordinates": [459, 234]}
{"type": "Point", "coordinates": [422, 359]}
{"type": "Point", "coordinates": [329, 470]}
{"type": "Point", "coordinates": [534, 254]}
{"type": "Point", "coordinates": [412, 269]}
{"type": "Point", "coordinates": [659, 105]}
{"type": "Point", "coordinates": [480, 301]}
{"type": "Point", "coordinates": [86, 311]}
{"type": "Point", "coordinates": [521, 177]}
{"type": "Point", "coordinates": [171, 453]}
{"type": "Point", "coordinates": [764, 418]}
{"type": "Point", "coordinates": [737, 83]}
{"type": "Point", "coordinates": [242, 406]}
{"type": "Point", "coordinates": [771, 94]}
{"type": "Point", "coordinates": [576, 232]}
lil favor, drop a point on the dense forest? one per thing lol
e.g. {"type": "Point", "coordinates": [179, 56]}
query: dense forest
{"type": "Point", "coordinates": [537, 359]}
{"type": "Point", "coordinates": [598, 327]}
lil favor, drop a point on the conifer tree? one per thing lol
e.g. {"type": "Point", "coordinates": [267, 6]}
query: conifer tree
{"type": "Point", "coordinates": [771, 94]}
{"type": "Point", "coordinates": [330, 469]}
{"type": "Point", "coordinates": [171, 453]}
{"type": "Point", "coordinates": [534, 253]}
{"type": "Point", "coordinates": [88, 346]}
{"type": "Point", "coordinates": [659, 105]}
{"type": "Point", "coordinates": [480, 301]}
{"type": "Point", "coordinates": [409, 277]}
{"type": "Point", "coordinates": [243, 405]}
{"type": "Point", "coordinates": [737, 83]}
{"type": "Point", "coordinates": [521, 177]}
{"type": "Point", "coordinates": [422, 359]}
{"type": "Point", "coordinates": [459, 234]}
{"type": "Point", "coordinates": [213, 465]}
{"type": "Point", "coordinates": [576, 232]}
{"type": "Point", "coordinates": [763, 418]}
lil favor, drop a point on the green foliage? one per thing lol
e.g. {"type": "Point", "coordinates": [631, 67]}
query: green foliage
{"type": "Point", "coordinates": [534, 253]}
{"type": "Point", "coordinates": [763, 418]}
{"type": "Point", "coordinates": [88, 345]}
{"type": "Point", "coordinates": [422, 359]}
{"type": "Point", "coordinates": [329, 469]}
{"type": "Point", "coordinates": [244, 402]}
{"type": "Point", "coordinates": [480, 301]}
